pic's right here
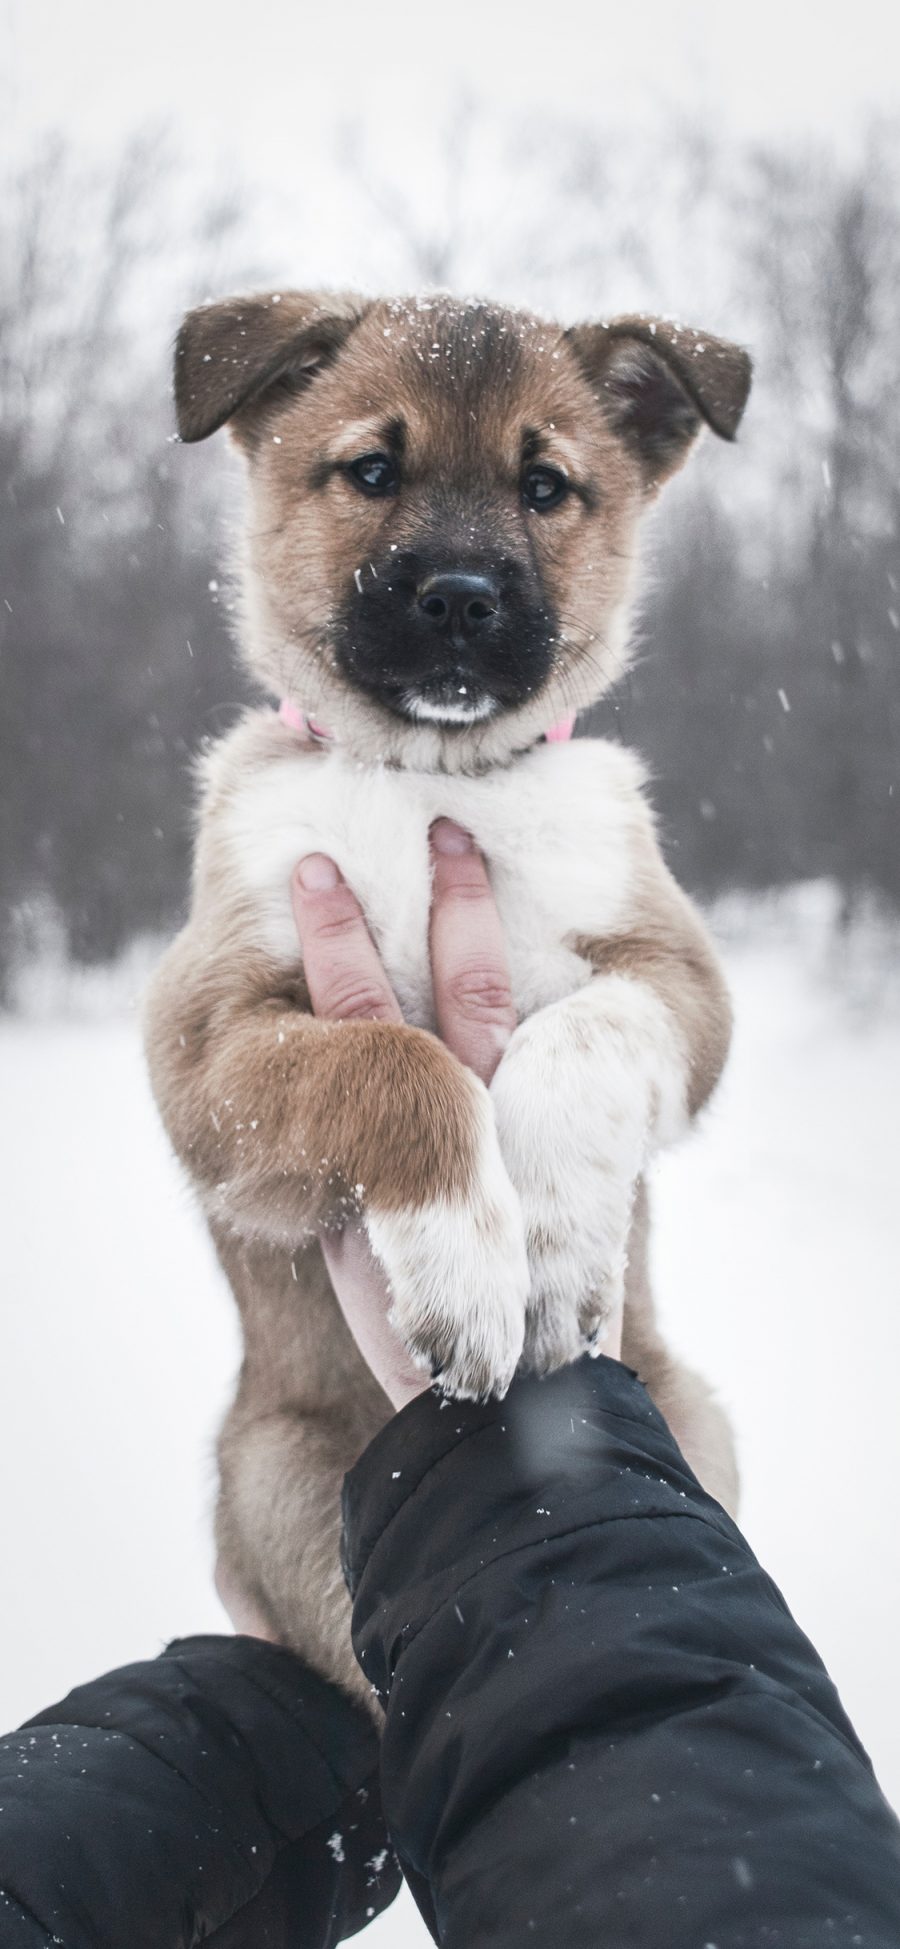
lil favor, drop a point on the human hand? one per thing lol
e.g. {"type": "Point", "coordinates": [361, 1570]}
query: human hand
{"type": "Point", "coordinates": [475, 1018]}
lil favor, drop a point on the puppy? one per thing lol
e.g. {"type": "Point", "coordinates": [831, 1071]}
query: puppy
{"type": "Point", "coordinates": [436, 575]}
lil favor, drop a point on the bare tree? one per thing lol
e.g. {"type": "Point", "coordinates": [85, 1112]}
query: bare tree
{"type": "Point", "coordinates": [111, 653]}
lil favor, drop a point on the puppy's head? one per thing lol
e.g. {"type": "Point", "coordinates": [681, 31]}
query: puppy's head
{"type": "Point", "coordinates": [443, 505]}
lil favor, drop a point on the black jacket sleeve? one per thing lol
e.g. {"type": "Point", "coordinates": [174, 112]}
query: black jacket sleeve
{"type": "Point", "coordinates": [219, 1794]}
{"type": "Point", "coordinates": [603, 1725]}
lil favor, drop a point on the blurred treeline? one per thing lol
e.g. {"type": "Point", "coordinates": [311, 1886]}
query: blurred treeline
{"type": "Point", "coordinates": [766, 695]}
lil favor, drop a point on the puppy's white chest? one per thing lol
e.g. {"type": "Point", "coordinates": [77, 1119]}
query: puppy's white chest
{"type": "Point", "coordinates": [554, 828]}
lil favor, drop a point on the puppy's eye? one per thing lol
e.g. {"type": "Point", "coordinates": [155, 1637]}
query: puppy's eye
{"type": "Point", "coordinates": [374, 473]}
{"type": "Point", "coordinates": [543, 488]}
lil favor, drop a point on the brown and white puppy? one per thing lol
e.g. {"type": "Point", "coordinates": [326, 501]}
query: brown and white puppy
{"type": "Point", "coordinates": [438, 564]}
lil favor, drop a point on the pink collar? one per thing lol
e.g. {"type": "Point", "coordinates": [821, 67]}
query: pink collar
{"type": "Point", "coordinates": [560, 733]}
{"type": "Point", "coordinates": [307, 727]}
{"type": "Point", "coordinates": [297, 720]}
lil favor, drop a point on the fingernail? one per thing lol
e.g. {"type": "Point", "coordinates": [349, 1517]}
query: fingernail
{"type": "Point", "coordinates": [317, 873]}
{"type": "Point", "coordinates": [446, 837]}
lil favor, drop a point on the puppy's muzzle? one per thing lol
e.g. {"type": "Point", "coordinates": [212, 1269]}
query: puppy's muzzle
{"type": "Point", "coordinates": [454, 641]}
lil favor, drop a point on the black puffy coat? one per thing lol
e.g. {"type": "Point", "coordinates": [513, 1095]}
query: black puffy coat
{"type": "Point", "coordinates": [604, 1729]}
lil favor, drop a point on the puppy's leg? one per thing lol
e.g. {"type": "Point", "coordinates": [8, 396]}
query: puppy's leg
{"type": "Point", "coordinates": [588, 1088]}
{"type": "Point", "coordinates": [685, 1400]}
{"type": "Point", "coordinates": [287, 1124]}
{"type": "Point", "coordinates": [278, 1524]}
{"type": "Point", "coordinates": [306, 1407]}
{"type": "Point", "coordinates": [585, 1089]}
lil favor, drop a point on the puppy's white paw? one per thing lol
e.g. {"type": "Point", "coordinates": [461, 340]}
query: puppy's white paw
{"type": "Point", "coordinates": [577, 1275]}
{"type": "Point", "coordinates": [572, 1118]}
{"type": "Point", "coordinates": [459, 1278]}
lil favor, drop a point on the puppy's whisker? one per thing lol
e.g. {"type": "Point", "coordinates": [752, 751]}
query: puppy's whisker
{"type": "Point", "coordinates": [582, 644]}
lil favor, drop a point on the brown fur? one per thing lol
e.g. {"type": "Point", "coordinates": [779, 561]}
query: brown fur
{"type": "Point", "coordinates": [286, 1123]}
{"type": "Point", "coordinates": [306, 1406]}
{"type": "Point", "coordinates": [668, 947]}
{"type": "Point", "coordinates": [242, 1071]}
{"type": "Point", "coordinates": [685, 1400]}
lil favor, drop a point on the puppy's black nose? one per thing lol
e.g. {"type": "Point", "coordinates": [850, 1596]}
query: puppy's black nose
{"type": "Point", "coordinates": [458, 603]}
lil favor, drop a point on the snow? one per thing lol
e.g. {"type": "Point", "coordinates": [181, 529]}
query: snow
{"type": "Point", "coordinates": [777, 1247]}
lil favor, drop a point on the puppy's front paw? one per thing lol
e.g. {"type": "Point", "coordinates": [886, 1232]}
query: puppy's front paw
{"type": "Point", "coordinates": [574, 1153]}
{"type": "Point", "coordinates": [577, 1276]}
{"type": "Point", "coordinates": [458, 1272]}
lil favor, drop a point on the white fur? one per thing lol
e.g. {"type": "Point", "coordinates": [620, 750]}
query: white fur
{"type": "Point", "coordinates": [458, 1274]}
{"type": "Point", "coordinates": [555, 828]}
{"type": "Point", "coordinates": [427, 710]}
{"type": "Point", "coordinates": [585, 1089]}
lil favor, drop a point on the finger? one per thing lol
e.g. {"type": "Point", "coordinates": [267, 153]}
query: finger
{"type": "Point", "coordinates": [364, 1298]}
{"type": "Point", "coordinates": [344, 975]}
{"type": "Point", "coordinates": [472, 993]}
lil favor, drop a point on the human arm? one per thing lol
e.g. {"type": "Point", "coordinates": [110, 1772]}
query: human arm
{"type": "Point", "coordinates": [220, 1792]}
{"type": "Point", "coordinates": [603, 1725]}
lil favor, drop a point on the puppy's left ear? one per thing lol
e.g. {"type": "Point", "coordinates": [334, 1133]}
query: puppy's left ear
{"type": "Point", "coordinates": [240, 356]}
{"type": "Point", "coordinates": [658, 383]}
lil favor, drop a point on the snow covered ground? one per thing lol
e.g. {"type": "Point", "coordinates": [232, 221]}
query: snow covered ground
{"type": "Point", "coordinates": [778, 1266]}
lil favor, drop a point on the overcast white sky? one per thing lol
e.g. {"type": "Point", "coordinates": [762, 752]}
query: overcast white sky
{"type": "Point", "coordinates": [265, 79]}
{"type": "Point", "coordinates": [257, 93]}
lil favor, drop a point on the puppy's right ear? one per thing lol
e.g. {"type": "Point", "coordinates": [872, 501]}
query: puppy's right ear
{"type": "Point", "coordinates": [240, 354]}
